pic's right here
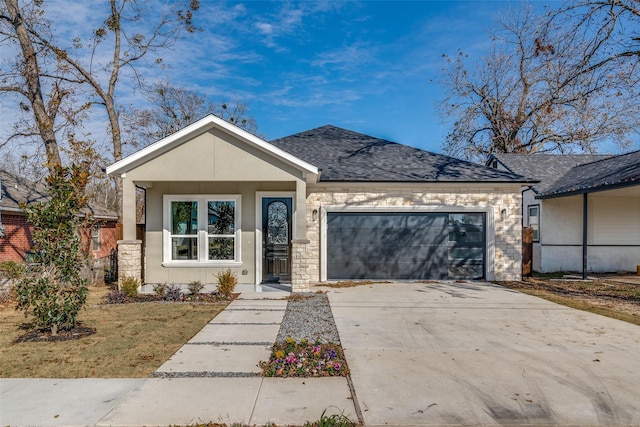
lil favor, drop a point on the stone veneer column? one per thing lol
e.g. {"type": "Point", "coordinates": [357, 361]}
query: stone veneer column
{"type": "Point", "coordinates": [129, 260]}
{"type": "Point", "coordinates": [300, 277]}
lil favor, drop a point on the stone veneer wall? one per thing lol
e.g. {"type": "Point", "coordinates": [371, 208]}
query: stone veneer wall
{"type": "Point", "coordinates": [508, 230]}
{"type": "Point", "coordinates": [129, 260]}
{"type": "Point", "coordinates": [300, 266]}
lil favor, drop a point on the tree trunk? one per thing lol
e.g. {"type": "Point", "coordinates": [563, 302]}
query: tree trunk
{"type": "Point", "coordinates": [31, 73]}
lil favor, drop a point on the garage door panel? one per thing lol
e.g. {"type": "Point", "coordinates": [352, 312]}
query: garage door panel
{"type": "Point", "coordinates": [404, 246]}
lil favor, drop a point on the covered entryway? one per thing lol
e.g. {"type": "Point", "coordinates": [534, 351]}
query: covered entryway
{"type": "Point", "coordinates": [406, 246]}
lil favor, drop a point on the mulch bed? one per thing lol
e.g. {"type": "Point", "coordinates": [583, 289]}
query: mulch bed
{"type": "Point", "coordinates": [37, 335]}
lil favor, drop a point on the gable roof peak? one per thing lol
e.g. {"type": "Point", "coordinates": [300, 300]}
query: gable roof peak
{"type": "Point", "coordinates": [208, 122]}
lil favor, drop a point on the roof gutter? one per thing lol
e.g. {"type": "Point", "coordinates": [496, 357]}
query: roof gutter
{"type": "Point", "coordinates": [597, 189]}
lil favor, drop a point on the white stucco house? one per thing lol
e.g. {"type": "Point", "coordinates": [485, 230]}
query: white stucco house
{"type": "Point", "coordinates": [585, 210]}
{"type": "Point", "coordinates": [325, 204]}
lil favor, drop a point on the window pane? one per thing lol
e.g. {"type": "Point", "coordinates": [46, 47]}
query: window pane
{"type": "Point", "coordinates": [221, 248]}
{"type": "Point", "coordinates": [466, 218]}
{"type": "Point", "coordinates": [184, 248]}
{"type": "Point", "coordinates": [184, 217]}
{"type": "Point", "coordinates": [466, 253]}
{"type": "Point", "coordinates": [221, 217]}
{"type": "Point", "coordinates": [277, 223]}
{"type": "Point", "coordinates": [95, 237]}
{"type": "Point", "coordinates": [463, 236]}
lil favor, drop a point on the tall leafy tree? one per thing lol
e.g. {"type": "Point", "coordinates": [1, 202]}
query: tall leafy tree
{"type": "Point", "coordinates": [55, 292]}
{"type": "Point", "coordinates": [537, 91]}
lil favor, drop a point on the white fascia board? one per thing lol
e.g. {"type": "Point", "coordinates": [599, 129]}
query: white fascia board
{"type": "Point", "coordinates": [202, 125]}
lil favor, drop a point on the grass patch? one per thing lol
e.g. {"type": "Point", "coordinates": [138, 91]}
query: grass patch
{"type": "Point", "coordinates": [351, 283]}
{"type": "Point", "coordinates": [131, 340]}
{"type": "Point", "coordinates": [617, 301]}
{"type": "Point", "coordinates": [552, 275]}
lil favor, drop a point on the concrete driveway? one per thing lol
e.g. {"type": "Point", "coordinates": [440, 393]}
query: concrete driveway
{"type": "Point", "coordinates": [480, 354]}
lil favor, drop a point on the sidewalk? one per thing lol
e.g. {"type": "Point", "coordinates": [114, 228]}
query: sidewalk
{"type": "Point", "coordinates": [213, 378]}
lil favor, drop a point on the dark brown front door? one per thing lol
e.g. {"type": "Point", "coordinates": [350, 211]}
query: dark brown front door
{"type": "Point", "coordinates": [276, 244]}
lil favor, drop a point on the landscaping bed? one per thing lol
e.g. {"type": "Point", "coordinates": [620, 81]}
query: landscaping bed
{"type": "Point", "coordinates": [617, 300]}
{"type": "Point", "coordinates": [307, 344]}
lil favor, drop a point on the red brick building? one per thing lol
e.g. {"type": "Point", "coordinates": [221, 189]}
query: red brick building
{"type": "Point", "coordinates": [16, 233]}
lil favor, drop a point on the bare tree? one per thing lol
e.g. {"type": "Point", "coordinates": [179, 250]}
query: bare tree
{"type": "Point", "coordinates": [23, 77]}
{"type": "Point", "coordinates": [537, 91]}
{"type": "Point", "coordinates": [173, 107]}
{"type": "Point", "coordinates": [611, 27]}
{"type": "Point", "coordinates": [118, 39]}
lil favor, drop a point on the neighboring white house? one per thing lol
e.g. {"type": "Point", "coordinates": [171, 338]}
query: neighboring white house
{"type": "Point", "coordinates": [325, 204]}
{"type": "Point", "coordinates": [585, 211]}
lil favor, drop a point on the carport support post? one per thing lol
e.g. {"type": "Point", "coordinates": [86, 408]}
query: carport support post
{"type": "Point", "coordinates": [585, 216]}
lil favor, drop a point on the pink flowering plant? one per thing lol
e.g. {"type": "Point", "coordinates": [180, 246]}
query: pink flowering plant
{"type": "Point", "coordinates": [302, 359]}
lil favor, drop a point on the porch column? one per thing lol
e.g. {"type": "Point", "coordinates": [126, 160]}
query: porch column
{"type": "Point", "coordinates": [299, 264]}
{"type": "Point", "coordinates": [128, 209]}
{"type": "Point", "coordinates": [129, 248]}
{"type": "Point", "coordinates": [300, 232]}
{"type": "Point", "coordinates": [129, 260]}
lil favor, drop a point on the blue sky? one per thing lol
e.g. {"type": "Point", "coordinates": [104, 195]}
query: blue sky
{"type": "Point", "coordinates": [369, 66]}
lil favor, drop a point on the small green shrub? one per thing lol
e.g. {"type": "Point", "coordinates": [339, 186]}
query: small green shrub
{"type": "Point", "coordinates": [159, 288]}
{"type": "Point", "coordinates": [130, 287]}
{"type": "Point", "coordinates": [335, 420]}
{"type": "Point", "coordinates": [195, 287]}
{"type": "Point", "coordinates": [12, 270]}
{"type": "Point", "coordinates": [227, 282]}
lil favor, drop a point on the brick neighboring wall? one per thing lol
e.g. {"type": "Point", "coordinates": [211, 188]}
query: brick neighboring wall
{"type": "Point", "coordinates": [18, 238]}
{"type": "Point", "coordinates": [508, 230]}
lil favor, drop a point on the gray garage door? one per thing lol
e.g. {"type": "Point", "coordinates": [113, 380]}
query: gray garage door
{"type": "Point", "coordinates": [405, 245]}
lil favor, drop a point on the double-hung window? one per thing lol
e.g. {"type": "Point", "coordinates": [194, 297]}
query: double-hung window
{"type": "Point", "coordinates": [534, 221]}
{"type": "Point", "coordinates": [202, 229]}
{"type": "Point", "coordinates": [95, 237]}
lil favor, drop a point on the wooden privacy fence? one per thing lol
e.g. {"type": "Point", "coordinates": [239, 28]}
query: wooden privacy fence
{"type": "Point", "coordinates": [527, 251]}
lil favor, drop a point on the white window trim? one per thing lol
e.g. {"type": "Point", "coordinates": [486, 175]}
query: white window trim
{"type": "Point", "coordinates": [96, 228]}
{"type": "Point", "coordinates": [202, 235]}
{"type": "Point", "coordinates": [537, 207]}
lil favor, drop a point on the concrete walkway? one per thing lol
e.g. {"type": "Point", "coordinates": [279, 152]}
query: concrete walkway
{"type": "Point", "coordinates": [213, 378]}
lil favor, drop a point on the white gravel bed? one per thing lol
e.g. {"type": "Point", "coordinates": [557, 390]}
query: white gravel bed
{"type": "Point", "coordinates": [309, 316]}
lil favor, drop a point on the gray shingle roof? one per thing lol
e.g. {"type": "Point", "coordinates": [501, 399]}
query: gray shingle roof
{"type": "Point", "coordinates": [16, 190]}
{"type": "Point", "coordinates": [346, 156]}
{"type": "Point", "coordinates": [612, 172]}
{"type": "Point", "coordinates": [547, 168]}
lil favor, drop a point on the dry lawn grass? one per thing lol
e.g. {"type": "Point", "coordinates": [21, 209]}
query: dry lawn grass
{"type": "Point", "coordinates": [616, 300]}
{"type": "Point", "coordinates": [131, 340]}
{"type": "Point", "coordinates": [351, 283]}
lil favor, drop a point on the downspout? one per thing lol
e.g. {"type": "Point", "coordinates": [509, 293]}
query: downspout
{"type": "Point", "coordinates": [585, 215]}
